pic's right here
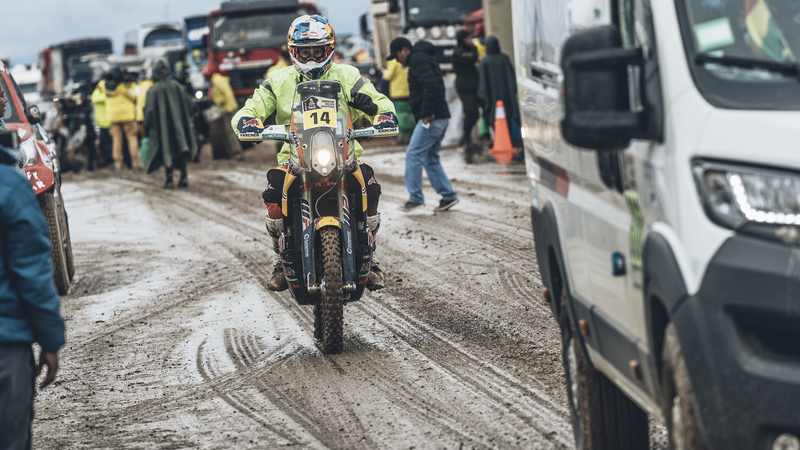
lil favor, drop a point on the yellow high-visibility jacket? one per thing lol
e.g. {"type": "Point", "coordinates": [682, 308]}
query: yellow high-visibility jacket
{"type": "Point", "coordinates": [120, 101]}
{"type": "Point", "coordinates": [99, 105]}
{"type": "Point", "coordinates": [397, 76]}
{"type": "Point", "coordinates": [276, 93]}
{"type": "Point", "coordinates": [222, 93]}
{"type": "Point", "coordinates": [144, 85]}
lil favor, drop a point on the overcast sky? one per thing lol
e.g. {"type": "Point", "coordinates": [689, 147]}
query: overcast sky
{"type": "Point", "coordinates": [28, 26]}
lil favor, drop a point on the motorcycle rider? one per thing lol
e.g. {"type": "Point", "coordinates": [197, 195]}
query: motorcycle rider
{"type": "Point", "coordinates": [312, 42]}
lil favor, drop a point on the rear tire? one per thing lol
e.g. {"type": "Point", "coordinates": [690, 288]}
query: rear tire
{"type": "Point", "coordinates": [680, 407]}
{"type": "Point", "coordinates": [332, 296]}
{"type": "Point", "coordinates": [51, 214]}
{"type": "Point", "coordinates": [602, 416]}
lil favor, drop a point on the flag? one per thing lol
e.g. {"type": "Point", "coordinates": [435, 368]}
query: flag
{"type": "Point", "coordinates": [764, 32]}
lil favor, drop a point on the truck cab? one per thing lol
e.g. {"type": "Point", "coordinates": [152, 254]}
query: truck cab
{"type": "Point", "coordinates": [245, 38]}
{"type": "Point", "coordinates": [660, 145]}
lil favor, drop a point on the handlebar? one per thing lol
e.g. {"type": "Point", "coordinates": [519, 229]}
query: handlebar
{"type": "Point", "coordinates": [279, 133]}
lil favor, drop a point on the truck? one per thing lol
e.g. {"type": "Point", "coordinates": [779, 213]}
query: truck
{"type": "Point", "coordinates": [154, 40]}
{"type": "Point", "coordinates": [663, 195]}
{"type": "Point", "coordinates": [29, 80]}
{"type": "Point", "coordinates": [195, 34]}
{"type": "Point", "coordinates": [67, 65]}
{"type": "Point", "coordinates": [436, 21]}
{"type": "Point", "coordinates": [246, 36]}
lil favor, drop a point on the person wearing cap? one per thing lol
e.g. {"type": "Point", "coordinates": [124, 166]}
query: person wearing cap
{"type": "Point", "coordinates": [429, 106]}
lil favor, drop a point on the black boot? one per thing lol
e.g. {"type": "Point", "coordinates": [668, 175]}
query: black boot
{"type": "Point", "coordinates": [169, 184]}
{"type": "Point", "coordinates": [184, 180]}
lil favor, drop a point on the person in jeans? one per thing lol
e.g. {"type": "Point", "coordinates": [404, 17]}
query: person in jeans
{"type": "Point", "coordinates": [429, 106]}
{"type": "Point", "coordinates": [29, 303]}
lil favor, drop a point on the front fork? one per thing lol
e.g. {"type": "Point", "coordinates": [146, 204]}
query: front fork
{"type": "Point", "coordinates": [308, 236]}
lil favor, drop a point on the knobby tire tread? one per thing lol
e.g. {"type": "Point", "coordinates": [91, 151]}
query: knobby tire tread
{"type": "Point", "coordinates": [332, 301]}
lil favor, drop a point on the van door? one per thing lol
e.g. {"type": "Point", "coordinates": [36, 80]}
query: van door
{"type": "Point", "coordinates": [540, 28]}
{"type": "Point", "coordinates": [615, 225]}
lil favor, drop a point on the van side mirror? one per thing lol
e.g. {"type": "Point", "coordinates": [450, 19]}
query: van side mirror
{"type": "Point", "coordinates": [34, 114]}
{"type": "Point", "coordinates": [597, 104]}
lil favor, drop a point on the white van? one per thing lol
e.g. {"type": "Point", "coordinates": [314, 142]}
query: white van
{"type": "Point", "coordinates": [662, 142]}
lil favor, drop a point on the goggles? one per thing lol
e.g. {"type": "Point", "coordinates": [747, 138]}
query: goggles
{"type": "Point", "coordinates": [305, 54]}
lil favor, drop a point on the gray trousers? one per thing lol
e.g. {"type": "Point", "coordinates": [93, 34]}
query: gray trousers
{"type": "Point", "coordinates": [16, 395]}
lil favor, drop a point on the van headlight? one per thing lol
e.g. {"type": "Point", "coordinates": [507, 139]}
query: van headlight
{"type": "Point", "coordinates": [322, 156]}
{"type": "Point", "coordinates": [29, 152]}
{"type": "Point", "coordinates": [734, 195]}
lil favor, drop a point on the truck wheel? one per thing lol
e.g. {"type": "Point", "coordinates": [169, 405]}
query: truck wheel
{"type": "Point", "coordinates": [332, 295]}
{"type": "Point", "coordinates": [47, 202]}
{"type": "Point", "coordinates": [680, 406]}
{"type": "Point", "coordinates": [602, 416]}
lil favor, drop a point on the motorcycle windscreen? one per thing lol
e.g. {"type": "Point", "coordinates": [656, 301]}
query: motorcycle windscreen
{"type": "Point", "coordinates": [320, 117]}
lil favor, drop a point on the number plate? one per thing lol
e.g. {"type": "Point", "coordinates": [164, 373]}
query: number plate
{"type": "Point", "coordinates": [319, 112]}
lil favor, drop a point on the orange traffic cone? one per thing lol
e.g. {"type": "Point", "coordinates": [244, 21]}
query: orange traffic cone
{"type": "Point", "coordinates": [502, 150]}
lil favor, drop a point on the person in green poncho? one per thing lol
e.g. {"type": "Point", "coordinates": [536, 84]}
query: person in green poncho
{"type": "Point", "coordinates": [168, 113]}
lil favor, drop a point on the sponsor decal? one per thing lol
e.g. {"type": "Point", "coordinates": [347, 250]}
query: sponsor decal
{"type": "Point", "coordinates": [295, 139]}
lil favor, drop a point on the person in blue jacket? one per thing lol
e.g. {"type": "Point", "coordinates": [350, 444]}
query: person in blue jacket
{"type": "Point", "coordinates": [29, 304]}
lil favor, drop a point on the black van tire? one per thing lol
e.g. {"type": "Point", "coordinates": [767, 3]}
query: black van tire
{"type": "Point", "coordinates": [47, 203]}
{"type": "Point", "coordinates": [680, 406]}
{"type": "Point", "coordinates": [602, 416]}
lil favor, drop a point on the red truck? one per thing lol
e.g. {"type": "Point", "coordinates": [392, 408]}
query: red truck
{"type": "Point", "coordinates": [245, 38]}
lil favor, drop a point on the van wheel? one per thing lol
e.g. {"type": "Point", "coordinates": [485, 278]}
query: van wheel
{"type": "Point", "coordinates": [680, 406]}
{"type": "Point", "coordinates": [602, 416]}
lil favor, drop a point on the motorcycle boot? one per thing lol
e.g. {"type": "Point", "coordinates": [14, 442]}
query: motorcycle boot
{"type": "Point", "coordinates": [278, 280]}
{"type": "Point", "coordinates": [375, 279]}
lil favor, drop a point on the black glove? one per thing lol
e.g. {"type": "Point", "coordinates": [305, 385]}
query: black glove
{"type": "Point", "coordinates": [363, 102]}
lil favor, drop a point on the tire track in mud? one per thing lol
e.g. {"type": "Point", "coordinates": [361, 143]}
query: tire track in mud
{"type": "Point", "coordinates": [473, 372]}
{"type": "Point", "coordinates": [478, 376]}
{"type": "Point", "coordinates": [239, 399]}
{"type": "Point", "coordinates": [241, 352]}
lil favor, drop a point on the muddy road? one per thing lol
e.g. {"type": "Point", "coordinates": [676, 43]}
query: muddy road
{"type": "Point", "coordinates": [174, 340]}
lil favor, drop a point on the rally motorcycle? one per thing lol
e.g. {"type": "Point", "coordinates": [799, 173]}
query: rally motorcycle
{"type": "Point", "coordinates": [326, 245]}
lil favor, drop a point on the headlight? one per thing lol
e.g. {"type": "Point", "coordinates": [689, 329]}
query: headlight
{"type": "Point", "coordinates": [420, 33]}
{"type": "Point", "coordinates": [198, 95]}
{"type": "Point", "coordinates": [436, 32]}
{"type": "Point", "coordinates": [734, 195]}
{"type": "Point", "coordinates": [29, 153]}
{"type": "Point", "coordinates": [450, 32]}
{"type": "Point", "coordinates": [322, 155]}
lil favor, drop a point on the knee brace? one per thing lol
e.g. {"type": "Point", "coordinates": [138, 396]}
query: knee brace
{"type": "Point", "coordinates": [274, 227]}
{"type": "Point", "coordinates": [374, 223]}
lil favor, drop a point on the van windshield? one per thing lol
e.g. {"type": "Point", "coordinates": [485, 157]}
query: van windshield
{"type": "Point", "coordinates": [744, 53]}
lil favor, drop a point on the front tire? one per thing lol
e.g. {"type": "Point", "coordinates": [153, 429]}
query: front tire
{"type": "Point", "coordinates": [332, 307]}
{"type": "Point", "coordinates": [67, 239]}
{"type": "Point", "coordinates": [602, 416]}
{"type": "Point", "coordinates": [50, 210]}
{"type": "Point", "coordinates": [680, 407]}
